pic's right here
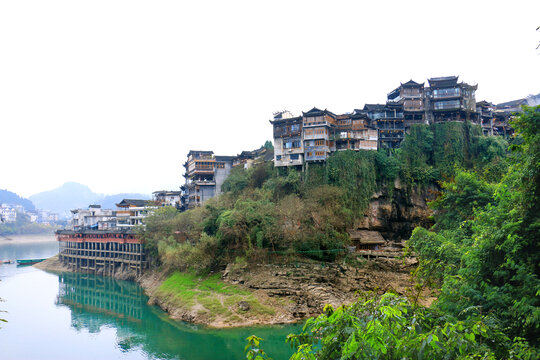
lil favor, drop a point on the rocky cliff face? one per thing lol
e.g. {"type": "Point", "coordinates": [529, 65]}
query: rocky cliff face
{"type": "Point", "coordinates": [397, 214]}
{"type": "Point", "coordinates": [308, 287]}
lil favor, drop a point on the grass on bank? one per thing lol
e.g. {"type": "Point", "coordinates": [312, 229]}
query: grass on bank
{"type": "Point", "coordinates": [211, 297]}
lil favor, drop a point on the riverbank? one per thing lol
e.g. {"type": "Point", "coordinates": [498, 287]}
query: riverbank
{"type": "Point", "coordinates": [287, 292]}
{"type": "Point", "coordinates": [266, 294]}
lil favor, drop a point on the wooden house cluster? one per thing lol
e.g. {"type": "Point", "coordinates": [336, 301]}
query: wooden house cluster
{"type": "Point", "coordinates": [315, 134]}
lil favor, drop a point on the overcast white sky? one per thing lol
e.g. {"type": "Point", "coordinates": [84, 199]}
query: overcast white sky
{"type": "Point", "coordinates": [113, 94]}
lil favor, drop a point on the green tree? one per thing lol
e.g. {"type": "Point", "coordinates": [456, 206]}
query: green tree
{"type": "Point", "coordinates": [236, 181]}
{"type": "Point", "coordinates": [390, 327]}
{"type": "Point", "coordinates": [253, 349]}
{"type": "Point", "coordinates": [487, 239]}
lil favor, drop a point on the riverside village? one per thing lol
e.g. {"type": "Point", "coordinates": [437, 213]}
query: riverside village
{"type": "Point", "coordinates": [284, 180]}
{"type": "Point", "coordinates": [107, 241]}
{"type": "Point", "coordinates": [341, 218]}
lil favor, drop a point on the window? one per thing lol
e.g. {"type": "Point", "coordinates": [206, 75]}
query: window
{"type": "Point", "coordinates": [295, 127]}
{"type": "Point", "coordinates": [294, 156]}
{"type": "Point", "coordinates": [296, 144]}
{"type": "Point", "coordinates": [204, 165]}
{"type": "Point", "coordinates": [288, 145]}
{"type": "Point", "coordinates": [451, 104]}
{"type": "Point", "coordinates": [442, 93]}
{"type": "Point", "coordinates": [319, 142]}
{"type": "Point", "coordinates": [320, 153]}
{"type": "Point", "coordinates": [278, 157]}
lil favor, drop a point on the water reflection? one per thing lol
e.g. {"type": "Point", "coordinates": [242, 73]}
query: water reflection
{"type": "Point", "coordinates": [97, 294]}
{"type": "Point", "coordinates": [98, 302]}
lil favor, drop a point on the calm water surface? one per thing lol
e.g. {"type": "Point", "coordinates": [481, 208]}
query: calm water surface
{"type": "Point", "coordinates": [81, 316]}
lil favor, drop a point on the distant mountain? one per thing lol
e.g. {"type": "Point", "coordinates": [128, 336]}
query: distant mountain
{"type": "Point", "coordinates": [8, 197]}
{"type": "Point", "coordinates": [73, 195]}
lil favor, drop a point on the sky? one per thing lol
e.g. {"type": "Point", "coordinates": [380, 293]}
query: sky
{"type": "Point", "coordinates": [113, 94]}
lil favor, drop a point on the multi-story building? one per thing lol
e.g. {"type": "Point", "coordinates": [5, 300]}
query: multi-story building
{"type": "Point", "coordinates": [246, 158]}
{"type": "Point", "coordinates": [353, 132]}
{"type": "Point", "coordinates": [318, 130]}
{"type": "Point", "coordinates": [317, 133]}
{"type": "Point", "coordinates": [46, 216]}
{"type": "Point", "coordinates": [33, 216]}
{"type": "Point", "coordinates": [200, 184]}
{"type": "Point", "coordinates": [288, 144]}
{"type": "Point", "coordinates": [448, 100]}
{"type": "Point", "coordinates": [92, 218]}
{"type": "Point", "coordinates": [388, 118]}
{"type": "Point", "coordinates": [102, 251]}
{"type": "Point", "coordinates": [222, 170]}
{"type": "Point", "coordinates": [205, 173]}
{"type": "Point", "coordinates": [484, 111]}
{"type": "Point", "coordinates": [504, 112]}
{"type": "Point", "coordinates": [167, 198]}
{"type": "Point", "coordinates": [410, 95]}
{"type": "Point", "coordinates": [131, 212]}
{"type": "Point", "coordinates": [7, 214]}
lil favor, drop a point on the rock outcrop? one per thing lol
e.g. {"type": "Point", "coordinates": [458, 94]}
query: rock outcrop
{"type": "Point", "coordinates": [397, 214]}
{"type": "Point", "coordinates": [308, 287]}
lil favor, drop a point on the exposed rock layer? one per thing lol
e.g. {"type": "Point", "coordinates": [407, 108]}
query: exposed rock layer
{"type": "Point", "coordinates": [310, 286]}
{"type": "Point", "coordinates": [397, 214]}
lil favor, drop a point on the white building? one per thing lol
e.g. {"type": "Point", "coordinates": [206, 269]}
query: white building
{"type": "Point", "coordinates": [167, 198]}
{"type": "Point", "coordinates": [7, 214]}
{"type": "Point", "coordinates": [93, 218]}
{"type": "Point", "coordinates": [131, 212]}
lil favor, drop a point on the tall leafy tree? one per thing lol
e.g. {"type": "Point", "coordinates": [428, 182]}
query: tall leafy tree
{"type": "Point", "coordinates": [493, 230]}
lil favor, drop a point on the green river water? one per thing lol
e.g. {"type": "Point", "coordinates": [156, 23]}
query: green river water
{"type": "Point", "coordinates": [81, 316]}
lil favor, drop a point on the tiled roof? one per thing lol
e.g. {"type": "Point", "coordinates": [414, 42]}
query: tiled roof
{"type": "Point", "coordinates": [133, 202]}
{"type": "Point", "coordinates": [412, 83]}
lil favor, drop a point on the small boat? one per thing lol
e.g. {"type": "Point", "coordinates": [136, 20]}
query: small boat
{"type": "Point", "coordinates": [7, 261]}
{"type": "Point", "coordinates": [29, 261]}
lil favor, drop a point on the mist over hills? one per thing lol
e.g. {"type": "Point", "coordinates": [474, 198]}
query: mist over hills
{"type": "Point", "coordinates": [72, 195]}
{"type": "Point", "coordinates": [8, 197]}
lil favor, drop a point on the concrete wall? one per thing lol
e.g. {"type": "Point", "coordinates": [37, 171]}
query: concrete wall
{"type": "Point", "coordinates": [220, 175]}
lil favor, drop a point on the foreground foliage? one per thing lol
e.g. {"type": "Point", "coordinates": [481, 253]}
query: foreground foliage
{"type": "Point", "coordinates": [483, 249]}
{"type": "Point", "coordinates": [482, 253]}
{"type": "Point", "coordinates": [390, 327]}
